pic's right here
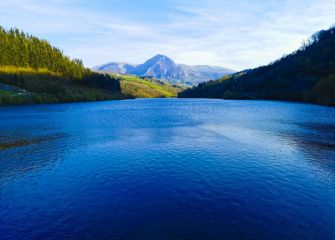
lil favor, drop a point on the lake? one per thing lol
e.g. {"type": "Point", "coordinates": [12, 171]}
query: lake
{"type": "Point", "coordinates": [152, 169]}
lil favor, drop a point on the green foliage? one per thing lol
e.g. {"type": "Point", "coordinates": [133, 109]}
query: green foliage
{"type": "Point", "coordinates": [22, 50]}
{"type": "Point", "coordinates": [305, 75]}
{"type": "Point", "coordinates": [49, 76]}
{"type": "Point", "coordinates": [43, 88]}
{"type": "Point", "coordinates": [325, 91]}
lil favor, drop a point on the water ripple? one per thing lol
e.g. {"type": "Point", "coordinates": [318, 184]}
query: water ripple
{"type": "Point", "coordinates": [167, 169]}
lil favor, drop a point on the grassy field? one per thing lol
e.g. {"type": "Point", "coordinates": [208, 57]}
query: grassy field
{"type": "Point", "coordinates": [147, 88]}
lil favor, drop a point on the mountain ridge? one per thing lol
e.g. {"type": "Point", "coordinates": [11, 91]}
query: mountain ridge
{"type": "Point", "coordinates": [163, 67]}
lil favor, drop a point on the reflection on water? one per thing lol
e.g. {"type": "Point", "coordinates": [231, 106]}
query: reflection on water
{"type": "Point", "coordinates": [167, 169]}
{"type": "Point", "coordinates": [28, 155]}
{"type": "Point", "coordinates": [24, 142]}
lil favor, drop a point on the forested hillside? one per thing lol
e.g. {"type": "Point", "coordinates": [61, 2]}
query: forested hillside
{"type": "Point", "coordinates": [33, 71]}
{"type": "Point", "coordinates": [306, 75]}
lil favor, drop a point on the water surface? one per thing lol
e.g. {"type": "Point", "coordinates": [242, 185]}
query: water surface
{"type": "Point", "coordinates": [167, 169]}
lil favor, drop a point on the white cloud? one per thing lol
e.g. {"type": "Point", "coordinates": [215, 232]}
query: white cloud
{"type": "Point", "coordinates": [239, 34]}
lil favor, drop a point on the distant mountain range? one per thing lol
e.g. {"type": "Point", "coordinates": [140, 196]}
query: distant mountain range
{"type": "Point", "coordinates": [162, 67]}
{"type": "Point", "coordinates": [307, 75]}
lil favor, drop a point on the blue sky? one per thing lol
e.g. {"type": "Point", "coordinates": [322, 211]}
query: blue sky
{"type": "Point", "coordinates": [235, 34]}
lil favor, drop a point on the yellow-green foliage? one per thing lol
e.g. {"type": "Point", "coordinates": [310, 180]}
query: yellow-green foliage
{"type": "Point", "coordinates": [41, 73]}
{"type": "Point", "coordinates": [146, 88]}
{"type": "Point", "coordinates": [27, 70]}
{"type": "Point", "coordinates": [23, 50]}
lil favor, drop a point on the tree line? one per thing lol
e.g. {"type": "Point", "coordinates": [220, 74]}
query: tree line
{"type": "Point", "coordinates": [23, 50]}
{"type": "Point", "coordinates": [46, 74]}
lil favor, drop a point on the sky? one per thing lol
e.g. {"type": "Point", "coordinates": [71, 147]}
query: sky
{"type": "Point", "coordinates": [237, 34]}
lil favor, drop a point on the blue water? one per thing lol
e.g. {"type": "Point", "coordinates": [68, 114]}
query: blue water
{"type": "Point", "coordinates": [168, 169]}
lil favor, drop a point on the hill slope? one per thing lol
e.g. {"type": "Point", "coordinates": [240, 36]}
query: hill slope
{"type": "Point", "coordinates": [162, 67]}
{"type": "Point", "coordinates": [147, 88]}
{"type": "Point", "coordinates": [306, 75]}
{"type": "Point", "coordinates": [32, 71]}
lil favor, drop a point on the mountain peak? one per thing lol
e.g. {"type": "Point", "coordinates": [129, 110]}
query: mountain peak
{"type": "Point", "coordinates": [160, 58]}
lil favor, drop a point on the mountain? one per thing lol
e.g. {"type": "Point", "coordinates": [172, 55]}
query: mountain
{"type": "Point", "coordinates": [162, 67]}
{"type": "Point", "coordinates": [121, 68]}
{"type": "Point", "coordinates": [307, 75]}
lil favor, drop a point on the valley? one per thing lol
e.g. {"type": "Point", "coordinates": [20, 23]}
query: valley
{"type": "Point", "coordinates": [33, 71]}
